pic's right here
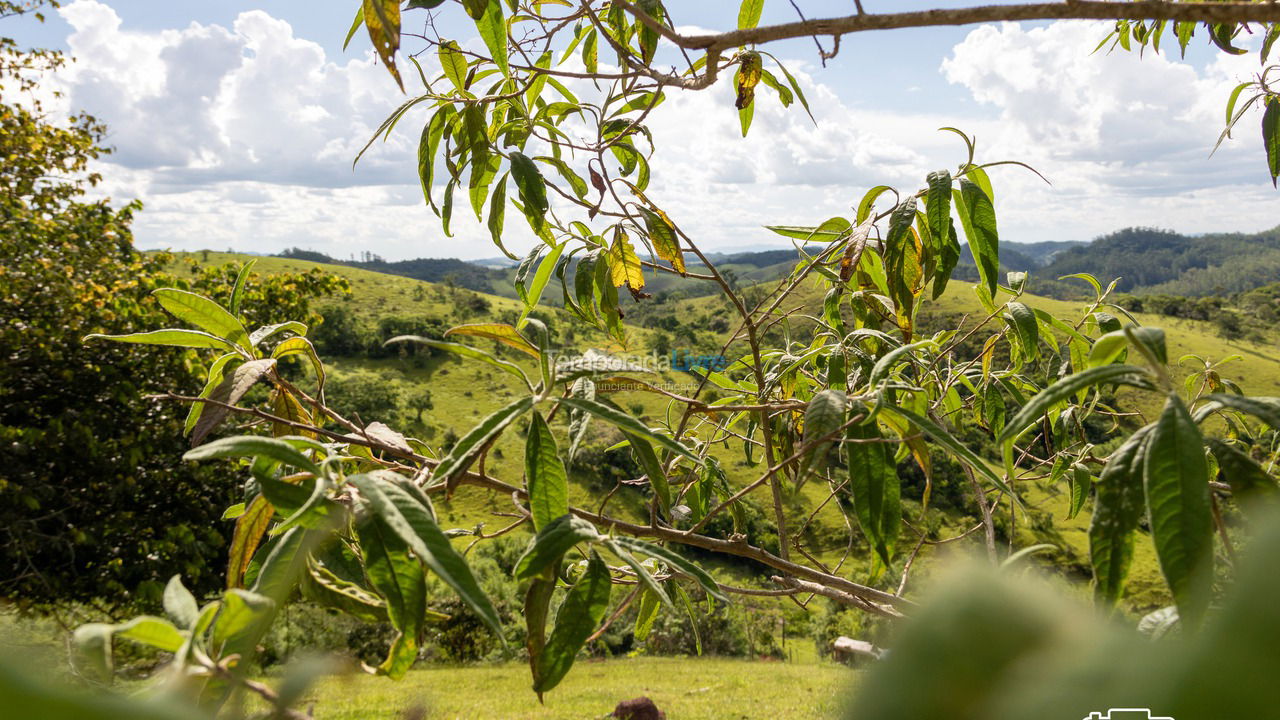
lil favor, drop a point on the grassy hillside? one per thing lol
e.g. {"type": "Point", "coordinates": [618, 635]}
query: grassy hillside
{"type": "Point", "coordinates": [373, 293]}
{"type": "Point", "coordinates": [462, 394]}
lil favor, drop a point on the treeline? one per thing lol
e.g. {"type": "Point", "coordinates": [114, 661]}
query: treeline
{"type": "Point", "coordinates": [1250, 315]}
{"type": "Point", "coordinates": [449, 271]}
{"type": "Point", "coordinates": [1149, 260]}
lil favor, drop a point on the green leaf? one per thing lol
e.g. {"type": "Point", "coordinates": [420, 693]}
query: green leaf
{"type": "Point", "coordinates": [993, 410]}
{"type": "Point", "coordinates": [237, 293]}
{"type": "Point", "coordinates": [399, 579]}
{"type": "Point", "coordinates": [874, 486]}
{"type": "Point", "coordinates": [693, 618]}
{"type": "Point", "coordinates": [529, 183]}
{"type": "Point", "coordinates": [652, 467]}
{"type": "Point", "coordinates": [204, 314]}
{"type": "Point", "coordinates": [545, 474]}
{"type": "Point", "coordinates": [211, 382]}
{"type": "Point", "coordinates": [582, 611]}
{"type": "Point", "coordinates": [1108, 348]}
{"type": "Point", "coordinates": [1266, 409]}
{"type": "Point", "coordinates": [749, 13]}
{"type": "Point", "coordinates": [795, 87]}
{"type": "Point", "coordinates": [283, 565]}
{"type": "Point", "coordinates": [173, 337]}
{"type": "Point", "coordinates": [179, 603]}
{"type": "Point", "coordinates": [978, 216]}
{"type": "Point", "coordinates": [453, 63]}
{"type": "Point", "coordinates": [253, 446]}
{"type": "Point", "coordinates": [540, 279]}
{"type": "Point", "coordinates": [869, 200]}
{"type": "Point", "coordinates": [497, 213]}
{"type": "Point", "coordinates": [301, 346]}
{"type": "Point", "coordinates": [885, 364]}
{"type": "Point", "coordinates": [950, 256]}
{"type": "Point", "coordinates": [389, 496]}
{"type": "Point", "coordinates": [321, 585]}
{"type": "Point", "coordinates": [676, 561]}
{"type": "Point", "coordinates": [643, 576]}
{"type": "Point", "coordinates": [1023, 322]}
{"type": "Point", "coordinates": [241, 622]}
{"type": "Point", "coordinates": [1081, 482]}
{"type": "Point", "coordinates": [646, 614]}
{"type": "Point", "coordinates": [1151, 340]}
{"type": "Point", "coordinates": [465, 351]}
{"type": "Point", "coordinates": [938, 201]}
{"type": "Point", "coordinates": [1271, 136]}
{"type": "Point", "coordinates": [822, 416]}
{"type": "Point", "coordinates": [628, 424]}
{"type": "Point", "coordinates": [576, 183]}
{"type": "Point", "coordinates": [955, 447]}
{"type": "Point", "coordinates": [745, 116]}
{"type": "Point", "coordinates": [268, 331]}
{"type": "Point", "coordinates": [590, 52]}
{"type": "Point", "coordinates": [810, 234]}
{"type": "Point", "coordinates": [1248, 481]}
{"type": "Point", "coordinates": [428, 143]}
{"type": "Point", "coordinates": [1067, 387]}
{"type": "Point", "coordinates": [1116, 513]}
{"type": "Point", "coordinates": [153, 631]}
{"type": "Point", "coordinates": [493, 30]}
{"type": "Point", "coordinates": [1176, 477]}
{"type": "Point", "coordinates": [228, 392]}
{"type": "Point", "coordinates": [470, 446]}
{"type": "Point", "coordinates": [355, 25]}
{"type": "Point", "coordinates": [484, 168]}
{"type": "Point", "coordinates": [552, 542]}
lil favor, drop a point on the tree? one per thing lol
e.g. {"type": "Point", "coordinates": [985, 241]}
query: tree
{"type": "Point", "coordinates": [834, 402]}
{"type": "Point", "coordinates": [93, 505]}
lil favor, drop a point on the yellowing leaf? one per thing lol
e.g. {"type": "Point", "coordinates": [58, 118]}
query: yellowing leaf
{"type": "Point", "coordinates": [505, 334]}
{"type": "Point", "coordinates": [663, 236]}
{"type": "Point", "coordinates": [749, 72]}
{"type": "Point", "coordinates": [624, 266]}
{"type": "Point", "coordinates": [382, 18]}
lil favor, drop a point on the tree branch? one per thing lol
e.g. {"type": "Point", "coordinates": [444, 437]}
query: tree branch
{"type": "Point", "coordinates": [1218, 12]}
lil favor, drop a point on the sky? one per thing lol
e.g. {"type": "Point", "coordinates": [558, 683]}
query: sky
{"type": "Point", "coordinates": [236, 124]}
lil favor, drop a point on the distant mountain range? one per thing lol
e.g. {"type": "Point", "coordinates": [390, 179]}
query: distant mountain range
{"type": "Point", "coordinates": [1146, 261]}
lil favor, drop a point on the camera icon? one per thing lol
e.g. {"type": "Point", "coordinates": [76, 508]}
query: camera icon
{"type": "Point", "coordinates": [1126, 714]}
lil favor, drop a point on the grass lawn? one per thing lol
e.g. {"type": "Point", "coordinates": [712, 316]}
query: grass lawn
{"type": "Point", "coordinates": [684, 688]}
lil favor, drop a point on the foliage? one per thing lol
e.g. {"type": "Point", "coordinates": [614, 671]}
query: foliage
{"type": "Point", "coordinates": [341, 511]}
{"type": "Point", "coordinates": [996, 646]}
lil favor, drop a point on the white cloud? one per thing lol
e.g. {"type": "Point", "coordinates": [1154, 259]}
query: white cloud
{"type": "Point", "coordinates": [208, 104]}
{"type": "Point", "coordinates": [1125, 139]}
{"type": "Point", "coordinates": [242, 136]}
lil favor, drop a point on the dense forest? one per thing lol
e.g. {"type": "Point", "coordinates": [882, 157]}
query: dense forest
{"type": "Point", "coordinates": [1148, 260]}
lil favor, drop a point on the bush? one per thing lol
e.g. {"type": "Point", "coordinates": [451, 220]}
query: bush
{"type": "Point", "coordinates": [367, 395]}
{"type": "Point", "coordinates": [339, 333]}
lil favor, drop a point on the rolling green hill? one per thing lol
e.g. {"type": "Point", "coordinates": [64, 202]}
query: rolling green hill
{"type": "Point", "coordinates": [462, 394]}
